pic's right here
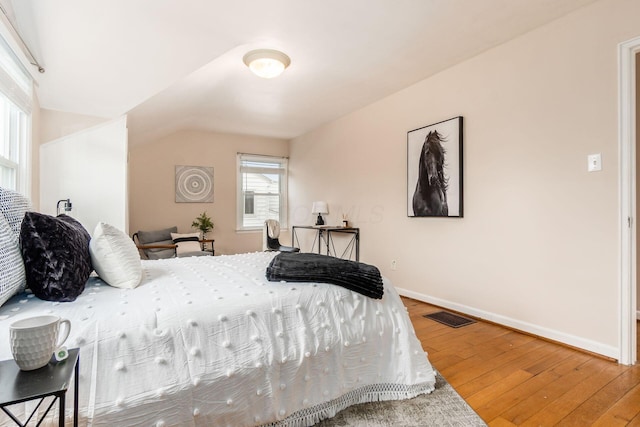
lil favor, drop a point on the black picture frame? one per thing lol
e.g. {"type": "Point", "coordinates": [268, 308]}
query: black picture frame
{"type": "Point", "coordinates": [434, 170]}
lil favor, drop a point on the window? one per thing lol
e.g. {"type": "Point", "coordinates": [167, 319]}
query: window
{"type": "Point", "coordinates": [262, 190]}
{"type": "Point", "coordinates": [13, 130]}
{"type": "Point", "coordinates": [15, 121]}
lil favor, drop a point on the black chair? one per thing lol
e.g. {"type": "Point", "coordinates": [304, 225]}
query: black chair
{"type": "Point", "coordinates": [270, 238]}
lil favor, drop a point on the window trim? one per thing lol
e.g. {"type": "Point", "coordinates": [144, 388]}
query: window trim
{"type": "Point", "coordinates": [17, 86]}
{"type": "Point", "coordinates": [22, 134]}
{"type": "Point", "coordinates": [283, 194]}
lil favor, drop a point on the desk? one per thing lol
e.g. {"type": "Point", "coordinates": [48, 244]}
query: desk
{"type": "Point", "coordinates": [51, 380]}
{"type": "Point", "coordinates": [323, 234]}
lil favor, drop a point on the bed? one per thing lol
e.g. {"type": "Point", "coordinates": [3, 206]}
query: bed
{"type": "Point", "coordinates": [209, 341]}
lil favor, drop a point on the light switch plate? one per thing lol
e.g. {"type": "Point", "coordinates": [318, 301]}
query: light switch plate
{"type": "Point", "coordinates": [594, 162]}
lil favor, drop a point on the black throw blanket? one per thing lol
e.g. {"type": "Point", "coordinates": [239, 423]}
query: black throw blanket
{"type": "Point", "coordinates": [308, 267]}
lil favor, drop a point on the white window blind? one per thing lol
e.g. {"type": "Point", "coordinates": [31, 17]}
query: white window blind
{"type": "Point", "coordinates": [15, 82]}
{"type": "Point", "coordinates": [16, 94]}
{"type": "Point", "coordinates": [262, 190]}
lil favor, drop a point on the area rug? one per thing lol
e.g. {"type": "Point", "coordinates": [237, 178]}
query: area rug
{"type": "Point", "coordinates": [443, 407]}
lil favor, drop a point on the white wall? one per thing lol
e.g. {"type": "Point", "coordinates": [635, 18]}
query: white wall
{"type": "Point", "coordinates": [48, 125]}
{"type": "Point", "coordinates": [90, 168]}
{"type": "Point", "coordinates": [537, 248]}
{"type": "Point", "coordinates": [56, 124]}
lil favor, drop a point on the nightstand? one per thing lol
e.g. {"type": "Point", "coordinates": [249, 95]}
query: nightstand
{"type": "Point", "coordinates": [51, 380]}
{"type": "Point", "coordinates": [204, 242]}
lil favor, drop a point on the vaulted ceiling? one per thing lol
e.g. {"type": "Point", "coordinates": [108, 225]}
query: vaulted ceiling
{"type": "Point", "coordinates": [177, 64]}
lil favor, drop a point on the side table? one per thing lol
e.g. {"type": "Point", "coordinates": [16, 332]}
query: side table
{"type": "Point", "coordinates": [51, 380]}
{"type": "Point", "coordinates": [204, 242]}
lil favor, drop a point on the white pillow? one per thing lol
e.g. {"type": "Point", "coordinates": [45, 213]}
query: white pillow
{"type": "Point", "coordinates": [12, 275]}
{"type": "Point", "coordinates": [189, 242]}
{"type": "Point", "coordinates": [115, 257]}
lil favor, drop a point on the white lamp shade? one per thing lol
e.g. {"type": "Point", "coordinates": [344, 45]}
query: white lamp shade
{"type": "Point", "coordinates": [320, 208]}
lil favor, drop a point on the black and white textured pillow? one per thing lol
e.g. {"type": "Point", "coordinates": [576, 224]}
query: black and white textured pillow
{"type": "Point", "coordinates": [12, 278]}
{"type": "Point", "coordinates": [13, 205]}
{"type": "Point", "coordinates": [56, 256]}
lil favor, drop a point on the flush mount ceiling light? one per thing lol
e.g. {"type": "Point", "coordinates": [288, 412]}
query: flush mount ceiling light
{"type": "Point", "coordinates": [266, 63]}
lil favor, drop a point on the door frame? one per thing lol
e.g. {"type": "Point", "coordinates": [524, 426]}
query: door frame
{"type": "Point", "coordinates": [627, 195]}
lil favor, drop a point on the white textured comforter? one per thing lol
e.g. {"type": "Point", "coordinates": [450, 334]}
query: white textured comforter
{"type": "Point", "coordinates": [209, 341]}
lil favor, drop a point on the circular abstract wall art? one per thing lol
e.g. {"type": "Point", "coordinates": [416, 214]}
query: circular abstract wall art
{"type": "Point", "coordinates": [194, 184]}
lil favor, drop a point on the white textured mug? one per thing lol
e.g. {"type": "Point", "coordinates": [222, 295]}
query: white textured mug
{"type": "Point", "coordinates": [34, 339]}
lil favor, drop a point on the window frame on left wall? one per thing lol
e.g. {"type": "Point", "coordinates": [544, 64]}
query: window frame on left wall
{"type": "Point", "coordinates": [14, 147]}
{"type": "Point", "coordinates": [16, 103]}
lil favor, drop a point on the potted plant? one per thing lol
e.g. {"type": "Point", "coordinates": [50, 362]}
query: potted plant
{"type": "Point", "coordinates": [203, 223]}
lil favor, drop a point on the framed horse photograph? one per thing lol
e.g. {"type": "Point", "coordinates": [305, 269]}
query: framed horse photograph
{"type": "Point", "coordinates": [434, 170]}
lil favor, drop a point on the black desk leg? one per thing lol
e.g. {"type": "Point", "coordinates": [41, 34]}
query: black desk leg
{"type": "Point", "coordinates": [61, 399]}
{"type": "Point", "coordinates": [76, 389]}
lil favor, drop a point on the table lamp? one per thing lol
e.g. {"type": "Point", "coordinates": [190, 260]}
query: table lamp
{"type": "Point", "coordinates": [320, 208]}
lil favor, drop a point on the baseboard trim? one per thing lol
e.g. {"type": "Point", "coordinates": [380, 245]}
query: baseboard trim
{"type": "Point", "coordinates": [550, 334]}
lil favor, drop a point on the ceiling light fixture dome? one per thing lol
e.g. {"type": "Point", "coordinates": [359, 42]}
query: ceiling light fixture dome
{"type": "Point", "coordinates": [266, 63]}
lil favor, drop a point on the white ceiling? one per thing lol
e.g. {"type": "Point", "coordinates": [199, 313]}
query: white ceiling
{"type": "Point", "coordinates": [176, 64]}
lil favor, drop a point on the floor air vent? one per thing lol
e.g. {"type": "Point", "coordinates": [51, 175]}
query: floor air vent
{"type": "Point", "coordinates": [449, 319]}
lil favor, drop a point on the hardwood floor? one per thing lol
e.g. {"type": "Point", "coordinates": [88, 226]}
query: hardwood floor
{"type": "Point", "coordinates": [510, 378]}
